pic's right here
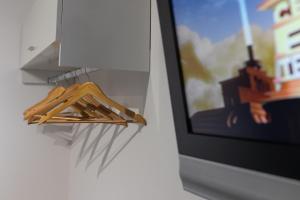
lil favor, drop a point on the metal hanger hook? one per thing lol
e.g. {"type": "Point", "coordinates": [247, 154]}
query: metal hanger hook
{"type": "Point", "coordinates": [77, 76]}
{"type": "Point", "coordinates": [87, 74]}
{"type": "Point", "coordinates": [66, 79]}
{"type": "Point", "coordinates": [74, 76]}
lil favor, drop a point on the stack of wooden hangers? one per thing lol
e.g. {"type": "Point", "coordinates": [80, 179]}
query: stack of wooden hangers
{"type": "Point", "coordinates": [80, 103]}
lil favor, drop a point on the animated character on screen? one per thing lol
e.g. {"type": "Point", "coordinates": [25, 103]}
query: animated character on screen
{"type": "Point", "coordinates": [253, 86]}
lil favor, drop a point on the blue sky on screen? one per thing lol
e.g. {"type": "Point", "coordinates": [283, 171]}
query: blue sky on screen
{"type": "Point", "coordinates": [218, 19]}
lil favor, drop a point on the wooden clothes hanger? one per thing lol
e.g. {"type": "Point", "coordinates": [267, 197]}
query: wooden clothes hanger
{"type": "Point", "coordinates": [87, 107]}
{"type": "Point", "coordinates": [42, 107]}
{"type": "Point", "coordinates": [69, 98]}
{"type": "Point", "coordinates": [53, 94]}
{"type": "Point", "coordinates": [70, 118]}
{"type": "Point", "coordinates": [94, 105]}
{"type": "Point", "coordinates": [65, 119]}
{"type": "Point", "coordinates": [90, 110]}
{"type": "Point", "coordinates": [81, 107]}
{"type": "Point", "coordinates": [56, 92]}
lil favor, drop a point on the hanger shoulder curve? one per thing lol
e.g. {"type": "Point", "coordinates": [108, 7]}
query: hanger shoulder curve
{"type": "Point", "coordinates": [91, 89]}
{"type": "Point", "coordinates": [54, 93]}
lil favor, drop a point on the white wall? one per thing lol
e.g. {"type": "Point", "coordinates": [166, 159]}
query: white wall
{"type": "Point", "coordinates": [148, 167]}
{"type": "Point", "coordinates": [31, 167]}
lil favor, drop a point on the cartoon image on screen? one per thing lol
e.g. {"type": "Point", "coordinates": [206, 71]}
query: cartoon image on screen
{"type": "Point", "coordinates": [240, 61]}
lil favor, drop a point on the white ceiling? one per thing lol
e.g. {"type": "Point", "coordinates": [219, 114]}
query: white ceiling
{"type": "Point", "coordinates": [14, 9]}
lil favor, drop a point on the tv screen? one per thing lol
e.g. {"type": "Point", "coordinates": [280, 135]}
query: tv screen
{"type": "Point", "coordinates": [240, 65]}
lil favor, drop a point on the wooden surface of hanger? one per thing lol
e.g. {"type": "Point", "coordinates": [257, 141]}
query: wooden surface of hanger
{"type": "Point", "coordinates": [88, 105]}
{"type": "Point", "coordinates": [65, 119]}
{"type": "Point", "coordinates": [81, 106]}
{"type": "Point", "coordinates": [89, 88]}
{"type": "Point", "coordinates": [85, 102]}
{"type": "Point", "coordinates": [77, 116]}
{"type": "Point", "coordinates": [102, 109]}
{"type": "Point", "coordinates": [54, 93]}
{"type": "Point", "coordinates": [42, 108]}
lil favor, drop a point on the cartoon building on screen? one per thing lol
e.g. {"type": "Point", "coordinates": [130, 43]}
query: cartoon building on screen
{"type": "Point", "coordinates": [287, 37]}
{"type": "Point", "coordinates": [253, 86]}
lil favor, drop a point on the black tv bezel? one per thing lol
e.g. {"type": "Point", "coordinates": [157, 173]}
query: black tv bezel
{"type": "Point", "coordinates": [271, 158]}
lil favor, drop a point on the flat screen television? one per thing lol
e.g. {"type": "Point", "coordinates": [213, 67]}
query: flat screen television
{"type": "Point", "coordinates": [234, 74]}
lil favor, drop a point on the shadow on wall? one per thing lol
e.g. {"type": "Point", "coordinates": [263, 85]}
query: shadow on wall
{"type": "Point", "coordinates": [102, 143]}
{"type": "Point", "coordinates": [99, 144]}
